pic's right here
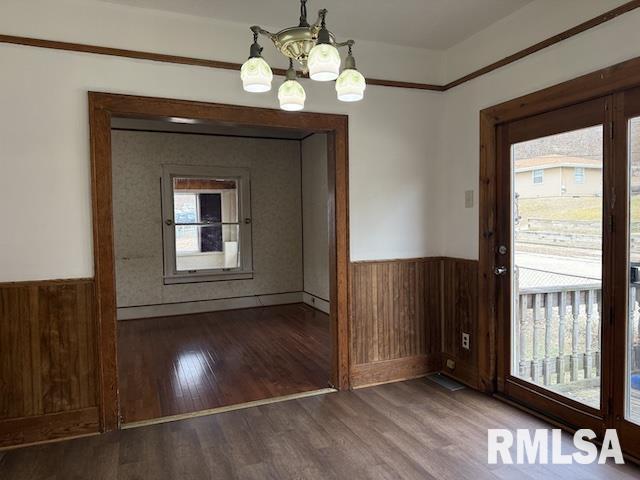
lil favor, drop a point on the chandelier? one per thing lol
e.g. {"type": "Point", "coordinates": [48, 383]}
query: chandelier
{"type": "Point", "coordinates": [315, 49]}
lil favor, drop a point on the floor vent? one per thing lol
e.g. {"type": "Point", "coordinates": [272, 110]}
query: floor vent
{"type": "Point", "coordinates": [446, 382]}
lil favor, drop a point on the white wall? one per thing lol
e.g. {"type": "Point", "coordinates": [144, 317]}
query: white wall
{"type": "Point", "coordinates": [44, 132]}
{"type": "Point", "coordinates": [605, 45]}
{"type": "Point", "coordinates": [315, 224]}
{"type": "Point", "coordinates": [412, 153]}
{"type": "Point", "coordinates": [531, 24]}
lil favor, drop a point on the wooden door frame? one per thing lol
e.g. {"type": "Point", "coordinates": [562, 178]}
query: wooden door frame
{"type": "Point", "coordinates": [578, 116]}
{"type": "Point", "coordinates": [609, 84]}
{"type": "Point", "coordinates": [601, 83]}
{"type": "Point", "coordinates": [626, 105]}
{"type": "Point", "coordinates": [102, 108]}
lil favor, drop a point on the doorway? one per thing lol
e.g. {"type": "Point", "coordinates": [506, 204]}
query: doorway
{"type": "Point", "coordinates": [560, 178]}
{"type": "Point", "coordinates": [103, 109]}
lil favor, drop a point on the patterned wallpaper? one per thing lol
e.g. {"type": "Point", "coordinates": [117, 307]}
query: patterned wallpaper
{"type": "Point", "coordinates": [275, 207]}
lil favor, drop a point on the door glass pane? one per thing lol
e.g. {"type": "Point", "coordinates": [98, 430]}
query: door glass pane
{"type": "Point", "coordinates": [633, 335]}
{"type": "Point", "coordinates": [557, 259]}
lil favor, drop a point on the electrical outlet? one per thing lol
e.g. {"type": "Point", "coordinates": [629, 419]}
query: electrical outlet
{"type": "Point", "coordinates": [466, 339]}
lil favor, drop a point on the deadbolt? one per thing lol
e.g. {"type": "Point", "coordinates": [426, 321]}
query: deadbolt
{"type": "Point", "coordinates": [502, 250]}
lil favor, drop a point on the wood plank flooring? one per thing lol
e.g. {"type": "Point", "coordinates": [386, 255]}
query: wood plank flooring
{"type": "Point", "coordinates": [176, 365]}
{"type": "Point", "coordinates": [408, 430]}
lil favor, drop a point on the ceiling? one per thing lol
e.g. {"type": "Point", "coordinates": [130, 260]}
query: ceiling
{"type": "Point", "coordinates": [182, 125]}
{"type": "Point", "coordinates": [432, 24]}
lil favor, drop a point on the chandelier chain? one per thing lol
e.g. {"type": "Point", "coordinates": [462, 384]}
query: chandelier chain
{"type": "Point", "coordinates": [303, 14]}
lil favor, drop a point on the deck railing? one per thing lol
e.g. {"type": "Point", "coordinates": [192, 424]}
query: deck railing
{"type": "Point", "coordinates": [558, 334]}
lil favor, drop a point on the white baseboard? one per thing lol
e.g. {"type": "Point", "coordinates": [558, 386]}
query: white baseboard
{"type": "Point", "coordinates": [186, 308]}
{"type": "Point", "coordinates": [316, 302]}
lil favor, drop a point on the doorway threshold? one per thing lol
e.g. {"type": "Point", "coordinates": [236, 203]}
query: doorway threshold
{"type": "Point", "coordinates": [226, 408]}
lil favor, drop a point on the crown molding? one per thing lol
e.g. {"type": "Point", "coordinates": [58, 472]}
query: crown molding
{"type": "Point", "coordinates": [201, 62]}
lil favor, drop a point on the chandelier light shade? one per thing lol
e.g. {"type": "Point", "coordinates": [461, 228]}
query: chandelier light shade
{"type": "Point", "coordinates": [351, 83]}
{"type": "Point", "coordinates": [324, 63]}
{"type": "Point", "coordinates": [291, 95]}
{"type": "Point", "coordinates": [256, 75]}
{"type": "Point", "coordinates": [315, 49]}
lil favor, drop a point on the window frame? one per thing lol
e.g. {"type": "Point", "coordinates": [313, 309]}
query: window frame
{"type": "Point", "coordinates": [533, 176]}
{"type": "Point", "coordinates": [171, 275]}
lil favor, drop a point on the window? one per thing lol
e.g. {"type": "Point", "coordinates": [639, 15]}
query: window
{"type": "Point", "coordinates": [578, 174]}
{"type": "Point", "coordinates": [538, 176]}
{"type": "Point", "coordinates": [207, 224]}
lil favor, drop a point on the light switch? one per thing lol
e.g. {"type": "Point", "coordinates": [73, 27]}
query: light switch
{"type": "Point", "coordinates": [468, 199]}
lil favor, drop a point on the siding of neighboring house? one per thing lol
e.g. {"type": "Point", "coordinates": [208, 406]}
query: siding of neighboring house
{"type": "Point", "coordinates": [551, 185]}
{"type": "Point", "coordinates": [555, 179]}
{"type": "Point", "coordinates": [592, 182]}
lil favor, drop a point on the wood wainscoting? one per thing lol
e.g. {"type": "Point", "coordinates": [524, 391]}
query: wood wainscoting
{"type": "Point", "coordinates": [460, 315]}
{"type": "Point", "coordinates": [407, 319]}
{"type": "Point", "coordinates": [395, 310]}
{"type": "Point", "coordinates": [48, 376]}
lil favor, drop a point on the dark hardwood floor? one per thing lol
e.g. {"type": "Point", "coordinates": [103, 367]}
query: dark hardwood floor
{"type": "Point", "coordinates": [183, 364]}
{"type": "Point", "coordinates": [407, 430]}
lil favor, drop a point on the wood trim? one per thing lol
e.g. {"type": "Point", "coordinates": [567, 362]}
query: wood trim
{"type": "Point", "coordinates": [339, 280]}
{"type": "Point", "coordinates": [124, 53]}
{"type": "Point", "coordinates": [601, 83]}
{"type": "Point", "coordinates": [104, 261]}
{"type": "Point", "coordinates": [399, 260]}
{"type": "Point", "coordinates": [137, 312]}
{"type": "Point", "coordinates": [486, 284]}
{"type": "Point", "coordinates": [607, 89]}
{"type": "Point", "coordinates": [201, 62]}
{"type": "Point", "coordinates": [410, 85]}
{"type": "Point", "coordinates": [553, 406]}
{"type": "Point", "coordinates": [180, 60]}
{"type": "Point", "coordinates": [583, 27]}
{"type": "Point", "coordinates": [396, 370]}
{"type": "Point", "coordinates": [53, 426]}
{"type": "Point", "coordinates": [574, 117]}
{"type": "Point", "coordinates": [625, 105]}
{"type": "Point", "coordinates": [46, 283]}
{"type": "Point", "coordinates": [563, 426]}
{"type": "Point", "coordinates": [104, 106]}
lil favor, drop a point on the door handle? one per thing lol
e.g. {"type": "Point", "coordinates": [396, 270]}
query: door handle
{"type": "Point", "coordinates": [500, 270]}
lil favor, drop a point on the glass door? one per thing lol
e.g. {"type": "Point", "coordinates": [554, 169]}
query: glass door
{"type": "Point", "coordinates": [632, 393]}
{"type": "Point", "coordinates": [626, 359]}
{"type": "Point", "coordinates": [551, 261]}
